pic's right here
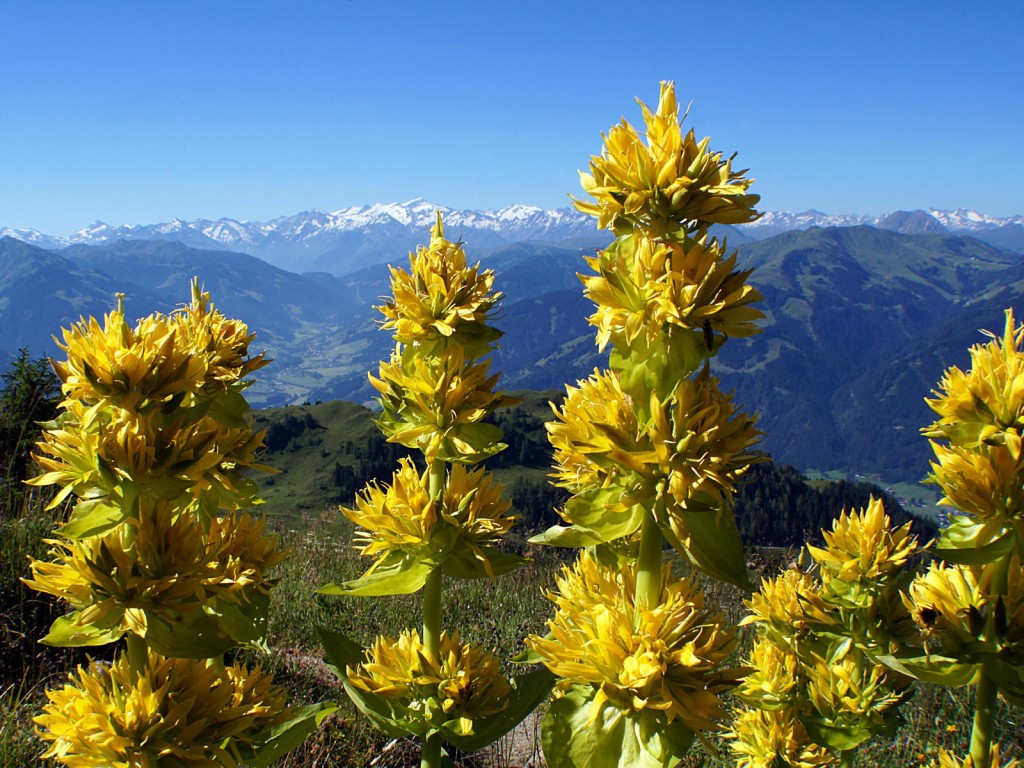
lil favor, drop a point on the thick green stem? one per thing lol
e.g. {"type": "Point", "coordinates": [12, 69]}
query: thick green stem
{"type": "Point", "coordinates": [984, 720]}
{"type": "Point", "coordinates": [846, 758]}
{"type": "Point", "coordinates": [138, 653]}
{"type": "Point", "coordinates": [648, 567]}
{"type": "Point", "coordinates": [430, 752]}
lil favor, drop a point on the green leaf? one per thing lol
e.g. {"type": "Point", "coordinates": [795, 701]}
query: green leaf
{"type": "Point", "coordinates": [665, 742]}
{"type": "Point", "coordinates": [956, 545]}
{"type": "Point", "coordinates": [461, 564]}
{"type": "Point", "coordinates": [713, 543]}
{"type": "Point", "coordinates": [571, 738]}
{"type": "Point", "coordinates": [92, 517]}
{"type": "Point", "coordinates": [192, 635]}
{"type": "Point", "coordinates": [230, 410]}
{"type": "Point", "coordinates": [398, 574]}
{"type": "Point", "coordinates": [660, 366]}
{"type": "Point", "coordinates": [246, 622]}
{"type": "Point", "coordinates": [286, 736]}
{"type": "Point", "coordinates": [64, 632]}
{"type": "Point", "coordinates": [934, 669]}
{"type": "Point", "coordinates": [528, 691]}
{"type": "Point", "coordinates": [836, 737]}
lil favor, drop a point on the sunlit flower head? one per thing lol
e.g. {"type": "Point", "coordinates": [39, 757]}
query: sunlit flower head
{"type": "Point", "coordinates": [643, 287]}
{"type": "Point", "coordinates": [133, 368]}
{"type": "Point", "coordinates": [402, 516]}
{"type": "Point", "coordinates": [161, 566]}
{"type": "Point", "coordinates": [666, 181]}
{"type": "Point", "coordinates": [863, 550]}
{"type": "Point", "coordinates": [464, 683]}
{"type": "Point", "coordinates": [667, 657]}
{"type": "Point", "coordinates": [694, 444]}
{"type": "Point", "coordinates": [775, 678]}
{"type": "Point", "coordinates": [852, 691]}
{"type": "Point", "coordinates": [950, 760]}
{"type": "Point", "coordinates": [986, 483]}
{"type": "Point", "coordinates": [441, 300]}
{"type": "Point", "coordinates": [437, 405]}
{"type": "Point", "coordinates": [985, 405]}
{"type": "Point", "coordinates": [98, 453]}
{"type": "Point", "coordinates": [962, 613]}
{"type": "Point", "coordinates": [222, 342]}
{"type": "Point", "coordinates": [789, 608]}
{"type": "Point", "coordinates": [762, 738]}
{"type": "Point", "coordinates": [178, 712]}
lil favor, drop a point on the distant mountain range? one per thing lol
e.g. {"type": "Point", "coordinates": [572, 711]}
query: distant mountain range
{"type": "Point", "coordinates": [861, 320]}
{"type": "Point", "coordinates": [352, 238]}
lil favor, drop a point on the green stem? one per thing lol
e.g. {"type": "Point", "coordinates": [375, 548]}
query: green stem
{"type": "Point", "coordinates": [846, 758]}
{"type": "Point", "coordinates": [648, 566]}
{"type": "Point", "coordinates": [984, 720]}
{"type": "Point", "coordinates": [138, 653]}
{"type": "Point", "coordinates": [430, 751]}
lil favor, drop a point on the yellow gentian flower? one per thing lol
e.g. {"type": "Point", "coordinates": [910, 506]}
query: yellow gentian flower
{"type": "Point", "coordinates": [949, 760]}
{"type": "Point", "coordinates": [985, 405]}
{"type": "Point", "coordinates": [174, 711]}
{"type": "Point", "coordinates": [669, 182]}
{"type": "Point", "coordinates": [862, 550]}
{"type": "Point", "coordinates": [437, 404]}
{"type": "Point", "coordinates": [667, 657]}
{"type": "Point", "coordinates": [643, 287]}
{"type": "Point", "coordinates": [762, 738]}
{"type": "Point", "coordinates": [441, 300]}
{"type": "Point", "coordinates": [463, 683]}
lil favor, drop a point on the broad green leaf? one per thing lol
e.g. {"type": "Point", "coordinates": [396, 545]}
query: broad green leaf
{"type": "Point", "coordinates": [957, 544]}
{"type": "Point", "coordinates": [397, 574]}
{"type": "Point", "coordinates": [660, 366]}
{"type": "Point", "coordinates": [665, 742]}
{"type": "Point", "coordinates": [462, 564]}
{"type": "Point", "coordinates": [92, 517]}
{"type": "Point", "coordinates": [246, 623]}
{"type": "Point", "coordinates": [192, 635]}
{"type": "Point", "coordinates": [840, 738]}
{"type": "Point", "coordinates": [571, 738]}
{"type": "Point", "coordinates": [1008, 677]}
{"type": "Point", "coordinates": [230, 410]}
{"type": "Point", "coordinates": [528, 691]}
{"type": "Point", "coordinates": [566, 536]}
{"type": "Point", "coordinates": [712, 543]}
{"type": "Point", "coordinates": [286, 736]}
{"type": "Point", "coordinates": [66, 634]}
{"type": "Point", "coordinates": [934, 669]}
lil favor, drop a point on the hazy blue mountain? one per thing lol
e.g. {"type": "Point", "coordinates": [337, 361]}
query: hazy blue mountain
{"type": "Point", "coordinates": [860, 323]}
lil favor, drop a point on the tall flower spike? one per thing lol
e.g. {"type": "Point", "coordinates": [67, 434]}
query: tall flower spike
{"type": "Point", "coordinates": [667, 183]}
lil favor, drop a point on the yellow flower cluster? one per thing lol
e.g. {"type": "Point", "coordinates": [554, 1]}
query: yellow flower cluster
{"type": "Point", "coordinates": [154, 410]}
{"type": "Point", "coordinates": [862, 547]}
{"type": "Point", "coordinates": [162, 565]}
{"type": "Point", "coordinates": [402, 517]}
{"type": "Point", "coordinates": [441, 300]}
{"type": "Point", "coordinates": [667, 182]}
{"type": "Point", "coordinates": [645, 288]}
{"type": "Point", "coordinates": [853, 691]}
{"type": "Point", "coordinates": [949, 760]}
{"type": "Point", "coordinates": [985, 405]}
{"type": "Point", "coordinates": [693, 444]}
{"type": "Point", "coordinates": [161, 358]}
{"type": "Point", "coordinates": [463, 683]}
{"type": "Point", "coordinates": [769, 738]}
{"type": "Point", "coordinates": [178, 712]}
{"type": "Point", "coordinates": [666, 657]}
{"type": "Point", "coordinates": [437, 405]}
{"type": "Point", "coordinates": [964, 613]}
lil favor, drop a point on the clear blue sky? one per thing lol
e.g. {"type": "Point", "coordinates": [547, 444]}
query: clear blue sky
{"type": "Point", "coordinates": [137, 112]}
